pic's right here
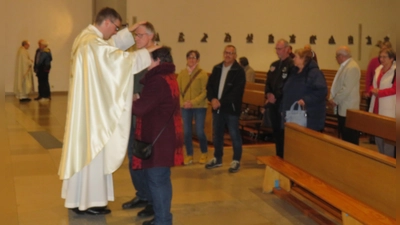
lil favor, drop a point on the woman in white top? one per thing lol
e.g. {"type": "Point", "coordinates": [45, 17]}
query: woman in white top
{"type": "Point", "coordinates": [383, 92]}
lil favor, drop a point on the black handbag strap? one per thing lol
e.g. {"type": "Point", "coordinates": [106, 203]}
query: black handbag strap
{"type": "Point", "coordinates": [172, 114]}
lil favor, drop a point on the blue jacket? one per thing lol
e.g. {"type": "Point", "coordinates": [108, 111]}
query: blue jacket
{"type": "Point", "coordinates": [309, 85]}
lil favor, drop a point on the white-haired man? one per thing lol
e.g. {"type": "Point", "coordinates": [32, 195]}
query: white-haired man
{"type": "Point", "coordinates": [345, 92]}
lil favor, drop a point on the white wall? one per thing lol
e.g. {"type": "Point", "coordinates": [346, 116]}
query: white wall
{"type": "Point", "coordinates": [281, 18]}
{"type": "Point", "coordinates": [59, 22]}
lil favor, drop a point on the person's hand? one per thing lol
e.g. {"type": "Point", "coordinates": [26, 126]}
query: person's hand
{"type": "Point", "coordinates": [187, 105]}
{"type": "Point", "coordinates": [153, 48]}
{"type": "Point", "coordinates": [366, 95]}
{"type": "Point", "coordinates": [136, 25]}
{"type": "Point", "coordinates": [271, 98]}
{"type": "Point", "coordinates": [136, 96]}
{"type": "Point", "coordinates": [215, 104]}
{"type": "Point", "coordinates": [333, 104]}
{"type": "Point", "coordinates": [375, 91]}
{"type": "Point", "coordinates": [301, 102]}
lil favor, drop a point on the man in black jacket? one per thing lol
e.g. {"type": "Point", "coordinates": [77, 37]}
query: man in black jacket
{"type": "Point", "coordinates": [225, 90]}
{"type": "Point", "coordinates": [42, 67]}
{"type": "Point", "coordinates": [276, 77]}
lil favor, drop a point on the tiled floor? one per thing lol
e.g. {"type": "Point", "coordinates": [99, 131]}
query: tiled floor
{"type": "Point", "coordinates": [31, 191]}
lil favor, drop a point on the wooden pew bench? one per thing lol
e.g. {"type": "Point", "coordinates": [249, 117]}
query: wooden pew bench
{"type": "Point", "coordinates": [370, 123]}
{"type": "Point", "coordinates": [252, 102]}
{"type": "Point", "coordinates": [347, 182]}
{"type": "Point", "coordinates": [260, 77]}
{"type": "Point", "coordinates": [255, 86]}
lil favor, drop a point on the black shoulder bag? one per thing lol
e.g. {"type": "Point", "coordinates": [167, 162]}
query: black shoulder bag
{"type": "Point", "coordinates": [143, 150]}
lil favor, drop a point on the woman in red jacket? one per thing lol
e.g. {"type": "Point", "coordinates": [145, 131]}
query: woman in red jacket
{"type": "Point", "coordinates": [157, 102]}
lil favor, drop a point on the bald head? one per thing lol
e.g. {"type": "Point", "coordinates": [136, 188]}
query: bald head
{"type": "Point", "coordinates": [344, 50]}
{"type": "Point", "coordinates": [342, 54]}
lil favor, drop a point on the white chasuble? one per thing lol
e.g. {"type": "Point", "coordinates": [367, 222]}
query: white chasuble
{"type": "Point", "coordinates": [98, 116]}
{"type": "Point", "coordinates": [23, 80]}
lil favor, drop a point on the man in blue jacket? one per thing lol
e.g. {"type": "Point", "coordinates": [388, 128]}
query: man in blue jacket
{"type": "Point", "coordinates": [225, 90]}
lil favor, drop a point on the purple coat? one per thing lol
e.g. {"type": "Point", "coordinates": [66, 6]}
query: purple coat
{"type": "Point", "coordinates": [158, 99]}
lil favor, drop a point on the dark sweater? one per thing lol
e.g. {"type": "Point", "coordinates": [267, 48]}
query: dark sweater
{"type": "Point", "coordinates": [158, 100]}
{"type": "Point", "coordinates": [309, 85]}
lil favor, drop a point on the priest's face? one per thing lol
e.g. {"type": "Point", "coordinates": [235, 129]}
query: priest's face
{"type": "Point", "coordinates": [111, 28]}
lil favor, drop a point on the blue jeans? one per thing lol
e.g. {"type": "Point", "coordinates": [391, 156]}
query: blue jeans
{"type": "Point", "coordinates": [160, 187]}
{"type": "Point", "coordinates": [137, 176]}
{"type": "Point", "coordinates": [199, 115]}
{"type": "Point", "coordinates": [232, 122]}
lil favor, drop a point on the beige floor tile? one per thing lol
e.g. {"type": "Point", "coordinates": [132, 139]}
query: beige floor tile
{"type": "Point", "coordinates": [9, 218]}
{"type": "Point", "coordinates": [240, 217]}
{"type": "Point", "coordinates": [44, 216]}
{"type": "Point", "coordinates": [42, 192]}
{"type": "Point", "coordinates": [30, 165]}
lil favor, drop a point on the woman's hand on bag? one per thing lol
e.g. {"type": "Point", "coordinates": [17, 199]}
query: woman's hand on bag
{"type": "Point", "coordinates": [301, 102]}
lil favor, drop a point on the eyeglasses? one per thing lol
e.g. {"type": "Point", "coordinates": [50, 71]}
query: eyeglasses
{"type": "Point", "coordinates": [117, 28]}
{"type": "Point", "coordinates": [140, 35]}
{"type": "Point", "coordinates": [192, 57]}
{"type": "Point", "coordinates": [229, 53]}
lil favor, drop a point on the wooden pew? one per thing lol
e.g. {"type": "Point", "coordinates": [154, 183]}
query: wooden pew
{"type": "Point", "coordinates": [370, 123]}
{"type": "Point", "coordinates": [358, 182]}
{"type": "Point", "coordinates": [252, 102]}
{"type": "Point", "coordinates": [255, 86]}
{"type": "Point", "coordinates": [260, 77]}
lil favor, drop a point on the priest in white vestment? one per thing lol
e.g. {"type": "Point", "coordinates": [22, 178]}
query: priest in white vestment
{"type": "Point", "coordinates": [23, 80]}
{"type": "Point", "coordinates": [99, 112]}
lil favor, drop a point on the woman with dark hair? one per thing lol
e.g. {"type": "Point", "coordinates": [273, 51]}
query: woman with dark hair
{"type": "Point", "coordinates": [306, 84]}
{"type": "Point", "coordinates": [156, 108]}
{"type": "Point", "coordinates": [383, 92]}
{"type": "Point", "coordinates": [192, 83]}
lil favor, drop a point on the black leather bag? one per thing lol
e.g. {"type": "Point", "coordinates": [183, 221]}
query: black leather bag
{"type": "Point", "coordinates": [141, 149]}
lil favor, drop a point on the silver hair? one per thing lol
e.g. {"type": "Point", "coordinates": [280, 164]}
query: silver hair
{"type": "Point", "coordinates": [344, 51]}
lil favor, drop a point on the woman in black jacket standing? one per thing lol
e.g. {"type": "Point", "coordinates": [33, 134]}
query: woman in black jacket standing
{"type": "Point", "coordinates": [306, 84]}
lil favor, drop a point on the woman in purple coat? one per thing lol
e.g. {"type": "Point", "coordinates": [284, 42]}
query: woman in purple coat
{"type": "Point", "coordinates": [157, 102]}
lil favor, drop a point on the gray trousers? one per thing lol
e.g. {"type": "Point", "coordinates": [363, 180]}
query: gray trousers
{"type": "Point", "coordinates": [384, 148]}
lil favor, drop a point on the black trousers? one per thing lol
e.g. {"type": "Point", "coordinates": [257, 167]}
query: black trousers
{"type": "Point", "coordinates": [276, 123]}
{"type": "Point", "coordinates": [347, 134]}
{"type": "Point", "coordinates": [43, 84]}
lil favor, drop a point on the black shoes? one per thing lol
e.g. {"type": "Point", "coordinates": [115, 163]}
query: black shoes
{"type": "Point", "coordinates": [146, 212]}
{"type": "Point", "coordinates": [134, 203]}
{"type": "Point", "coordinates": [92, 211]}
{"type": "Point", "coordinates": [148, 222]}
{"type": "Point", "coordinates": [25, 100]}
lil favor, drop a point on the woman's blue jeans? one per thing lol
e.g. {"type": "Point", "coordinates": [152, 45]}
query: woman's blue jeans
{"type": "Point", "coordinates": [199, 116]}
